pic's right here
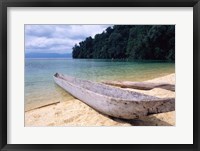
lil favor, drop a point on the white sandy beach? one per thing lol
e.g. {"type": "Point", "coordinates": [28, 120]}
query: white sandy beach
{"type": "Point", "coordinates": [72, 112]}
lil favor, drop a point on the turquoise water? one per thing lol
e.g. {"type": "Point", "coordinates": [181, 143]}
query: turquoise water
{"type": "Point", "coordinates": [40, 88]}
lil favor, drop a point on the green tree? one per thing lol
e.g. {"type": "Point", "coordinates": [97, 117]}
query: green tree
{"type": "Point", "coordinates": [130, 41]}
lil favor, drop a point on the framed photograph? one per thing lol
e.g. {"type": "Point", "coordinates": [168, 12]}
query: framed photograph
{"type": "Point", "coordinates": [99, 75]}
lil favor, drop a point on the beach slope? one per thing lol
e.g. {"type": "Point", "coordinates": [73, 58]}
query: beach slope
{"type": "Point", "coordinates": [73, 112]}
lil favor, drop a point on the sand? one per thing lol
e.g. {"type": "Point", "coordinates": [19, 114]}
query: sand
{"type": "Point", "coordinates": [72, 112]}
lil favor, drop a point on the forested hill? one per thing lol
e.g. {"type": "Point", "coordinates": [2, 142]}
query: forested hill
{"type": "Point", "coordinates": [155, 42]}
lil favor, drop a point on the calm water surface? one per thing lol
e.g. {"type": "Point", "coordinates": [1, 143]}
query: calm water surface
{"type": "Point", "coordinates": [40, 88]}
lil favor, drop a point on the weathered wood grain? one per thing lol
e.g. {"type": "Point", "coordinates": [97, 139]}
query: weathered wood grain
{"type": "Point", "coordinates": [114, 101]}
{"type": "Point", "coordinates": [141, 85]}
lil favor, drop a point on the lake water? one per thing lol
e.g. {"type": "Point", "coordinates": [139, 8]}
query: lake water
{"type": "Point", "coordinates": [40, 88]}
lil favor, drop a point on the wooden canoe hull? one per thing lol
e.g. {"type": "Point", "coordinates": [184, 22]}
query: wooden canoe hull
{"type": "Point", "coordinates": [126, 109]}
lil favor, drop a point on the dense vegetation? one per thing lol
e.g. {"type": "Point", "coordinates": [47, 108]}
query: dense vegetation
{"type": "Point", "coordinates": [155, 42]}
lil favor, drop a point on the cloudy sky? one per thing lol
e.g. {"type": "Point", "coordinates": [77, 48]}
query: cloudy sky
{"type": "Point", "coordinates": [57, 38]}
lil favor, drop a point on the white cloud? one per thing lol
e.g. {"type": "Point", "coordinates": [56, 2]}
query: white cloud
{"type": "Point", "coordinates": [58, 38]}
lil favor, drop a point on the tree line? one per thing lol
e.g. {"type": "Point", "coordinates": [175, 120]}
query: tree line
{"type": "Point", "coordinates": [153, 42]}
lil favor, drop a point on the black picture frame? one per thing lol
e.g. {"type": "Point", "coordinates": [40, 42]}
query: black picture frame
{"type": "Point", "coordinates": [4, 4]}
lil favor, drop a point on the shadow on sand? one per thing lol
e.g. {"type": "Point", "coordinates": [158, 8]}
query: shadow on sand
{"type": "Point", "coordinates": [143, 121]}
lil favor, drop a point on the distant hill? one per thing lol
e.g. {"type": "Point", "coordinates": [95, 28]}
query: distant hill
{"type": "Point", "coordinates": [48, 55]}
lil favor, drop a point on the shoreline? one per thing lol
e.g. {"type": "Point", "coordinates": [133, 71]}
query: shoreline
{"type": "Point", "coordinates": [73, 112]}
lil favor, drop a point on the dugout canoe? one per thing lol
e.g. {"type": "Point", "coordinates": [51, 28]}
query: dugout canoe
{"type": "Point", "coordinates": [114, 101]}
